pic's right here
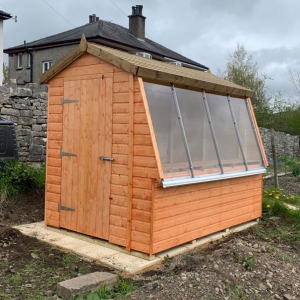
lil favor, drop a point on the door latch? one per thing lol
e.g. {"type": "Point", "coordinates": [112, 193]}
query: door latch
{"type": "Point", "coordinates": [106, 158]}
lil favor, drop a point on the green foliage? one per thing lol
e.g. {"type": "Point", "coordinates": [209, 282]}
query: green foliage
{"type": "Point", "coordinates": [246, 260]}
{"type": "Point", "coordinates": [17, 176]}
{"type": "Point", "coordinates": [242, 70]}
{"type": "Point", "coordinates": [119, 291]}
{"type": "Point", "coordinates": [292, 163]}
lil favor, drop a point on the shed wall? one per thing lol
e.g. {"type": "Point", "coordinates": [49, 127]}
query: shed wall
{"type": "Point", "coordinates": [185, 213]}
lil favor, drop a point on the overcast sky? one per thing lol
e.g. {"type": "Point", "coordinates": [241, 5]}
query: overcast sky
{"type": "Point", "coordinates": [206, 31]}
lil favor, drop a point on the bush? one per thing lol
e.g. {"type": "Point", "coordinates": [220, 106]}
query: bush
{"type": "Point", "coordinates": [16, 177]}
{"type": "Point", "coordinates": [293, 164]}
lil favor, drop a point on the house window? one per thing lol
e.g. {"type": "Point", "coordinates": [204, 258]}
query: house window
{"type": "Point", "coordinates": [28, 60]}
{"type": "Point", "coordinates": [202, 136]}
{"type": "Point", "coordinates": [20, 60]}
{"type": "Point", "coordinates": [47, 65]}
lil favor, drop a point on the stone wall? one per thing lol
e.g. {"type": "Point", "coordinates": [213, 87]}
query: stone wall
{"type": "Point", "coordinates": [28, 111]}
{"type": "Point", "coordinates": [27, 108]}
{"type": "Point", "coordinates": [285, 144]}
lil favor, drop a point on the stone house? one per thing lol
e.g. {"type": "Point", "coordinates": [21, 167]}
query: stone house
{"type": "Point", "coordinates": [29, 60]}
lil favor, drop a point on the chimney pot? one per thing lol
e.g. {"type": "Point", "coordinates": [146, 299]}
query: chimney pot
{"type": "Point", "coordinates": [137, 22]}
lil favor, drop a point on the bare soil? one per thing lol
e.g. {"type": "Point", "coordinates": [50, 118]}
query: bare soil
{"type": "Point", "coordinates": [259, 263]}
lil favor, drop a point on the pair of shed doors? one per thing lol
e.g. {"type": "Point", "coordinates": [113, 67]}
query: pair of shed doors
{"type": "Point", "coordinates": [87, 138]}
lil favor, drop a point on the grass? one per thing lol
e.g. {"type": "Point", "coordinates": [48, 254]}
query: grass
{"type": "Point", "coordinates": [120, 291]}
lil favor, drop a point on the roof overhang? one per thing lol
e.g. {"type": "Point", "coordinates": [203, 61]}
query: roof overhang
{"type": "Point", "coordinates": [149, 69]}
{"type": "Point", "coordinates": [4, 15]}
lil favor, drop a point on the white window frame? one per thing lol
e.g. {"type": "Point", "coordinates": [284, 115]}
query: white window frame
{"type": "Point", "coordinates": [20, 60]}
{"type": "Point", "coordinates": [47, 65]}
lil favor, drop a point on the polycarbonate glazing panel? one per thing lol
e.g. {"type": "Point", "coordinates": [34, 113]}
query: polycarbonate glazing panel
{"type": "Point", "coordinates": [229, 148]}
{"type": "Point", "coordinates": [167, 130]}
{"type": "Point", "coordinates": [251, 149]}
{"type": "Point", "coordinates": [196, 125]}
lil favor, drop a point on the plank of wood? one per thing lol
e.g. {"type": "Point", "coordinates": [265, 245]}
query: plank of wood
{"type": "Point", "coordinates": [118, 221]}
{"type": "Point", "coordinates": [120, 149]}
{"type": "Point", "coordinates": [53, 206]}
{"type": "Point", "coordinates": [55, 136]}
{"type": "Point", "coordinates": [54, 127]}
{"type": "Point", "coordinates": [140, 193]}
{"type": "Point", "coordinates": [55, 109]}
{"type": "Point", "coordinates": [120, 159]}
{"type": "Point", "coordinates": [52, 144]}
{"type": "Point", "coordinates": [118, 200]}
{"type": "Point", "coordinates": [55, 91]}
{"type": "Point", "coordinates": [141, 215]}
{"type": "Point", "coordinates": [141, 129]}
{"type": "Point", "coordinates": [52, 197]}
{"type": "Point", "coordinates": [151, 128]}
{"type": "Point", "coordinates": [152, 217]}
{"type": "Point", "coordinates": [51, 179]}
{"type": "Point", "coordinates": [117, 240]}
{"type": "Point", "coordinates": [137, 246]}
{"type": "Point", "coordinates": [117, 179]}
{"type": "Point", "coordinates": [140, 204]}
{"type": "Point", "coordinates": [206, 210]}
{"type": "Point", "coordinates": [121, 77]}
{"type": "Point", "coordinates": [140, 237]}
{"type": "Point", "coordinates": [139, 107]}
{"type": "Point", "coordinates": [142, 140]}
{"type": "Point", "coordinates": [140, 118]}
{"type": "Point", "coordinates": [54, 162]}
{"type": "Point", "coordinates": [53, 188]}
{"type": "Point", "coordinates": [143, 150]}
{"type": "Point", "coordinates": [189, 236]}
{"type": "Point", "coordinates": [141, 226]}
{"type": "Point", "coordinates": [196, 204]}
{"type": "Point", "coordinates": [119, 169]}
{"type": "Point", "coordinates": [54, 153]}
{"type": "Point", "coordinates": [55, 118]}
{"type": "Point", "coordinates": [117, 231]}
{"type": "Point", "coordinates": [54, 100]}
{"type": "Point", "coordinates": [117, 210]}
{"type": "Point", "coordinates": [121, 97]}
{"type": "Point", "coordinates": [258, 133]}
{"type": "Point", "coordinates": [144, 183]}
{"type": "Point", "coordinates": [121, 190]}
{"type": "Point", "coordinates": [130, 163]}
{"type": "Point", "coordinates": [120, 128]}
{"type": "Point", "coordinates": [145, 172]}
{"type": "Point", "coordinates": [121, 118]}
{"type": "Point", "coordinates": [121, 108]}
{"type": "Point", "coordinates": [141, 161]}
{"type": "Point", "coordinates": [120, 139]}
{"type": "Point", "coordinates": [56, 82]}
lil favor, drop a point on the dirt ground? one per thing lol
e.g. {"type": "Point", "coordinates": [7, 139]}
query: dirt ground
{"type": "Point", "coordinates": [260, 263]}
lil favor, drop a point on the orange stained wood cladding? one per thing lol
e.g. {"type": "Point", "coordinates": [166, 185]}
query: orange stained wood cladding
{"type": "Point", "coordinates": [87, 133]}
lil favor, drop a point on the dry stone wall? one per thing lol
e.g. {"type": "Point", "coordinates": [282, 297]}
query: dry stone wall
{"type": "Point", "coordinates": [27, 109]}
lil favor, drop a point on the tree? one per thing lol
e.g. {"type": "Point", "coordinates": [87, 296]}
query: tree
{"type": "Point", "coordinates": [242, 70]}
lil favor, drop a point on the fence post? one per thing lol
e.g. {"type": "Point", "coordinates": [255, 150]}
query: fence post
{"type": "Point", "coordinates": [274, 158]}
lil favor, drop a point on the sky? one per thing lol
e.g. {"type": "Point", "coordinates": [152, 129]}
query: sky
{"type": "Point", "coordinates": [206, 31]}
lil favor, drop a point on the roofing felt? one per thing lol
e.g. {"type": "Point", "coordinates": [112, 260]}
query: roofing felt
{"type": "Point", "coordinates": [150, 69]}
{"type": "Point", "coordinates": [4, 15]}
{"type": "Point", "coordinates": [108, 31]}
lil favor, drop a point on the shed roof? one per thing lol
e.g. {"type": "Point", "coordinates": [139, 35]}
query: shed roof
{"type": "Point", "coordinates": [104, 32]}
{"type": "Point", "coordinates": [4, 15]}
{"type": "Point", "coordinates": [150, 69]}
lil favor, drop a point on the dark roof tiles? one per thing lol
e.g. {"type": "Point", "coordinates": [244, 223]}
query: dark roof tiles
{"type": "Point", "coordinates": [111, 32]}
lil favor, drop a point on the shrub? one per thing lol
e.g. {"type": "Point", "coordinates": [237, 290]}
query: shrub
{"type": "Point", "coordinates": [17, 176]}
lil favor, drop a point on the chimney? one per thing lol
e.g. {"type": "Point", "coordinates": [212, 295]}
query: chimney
{"type": "Point", "coordinates": [93, 18]}
{"type": "Point", "coordinates": [137, 22]}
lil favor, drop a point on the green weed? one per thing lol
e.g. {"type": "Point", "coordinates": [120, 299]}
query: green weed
{"type": "Point", "coordinates": [120, 290]}
{"type": "Point", "coordinates": [246, 261]}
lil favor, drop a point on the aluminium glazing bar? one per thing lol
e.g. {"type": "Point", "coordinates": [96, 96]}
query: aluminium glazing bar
{"type": "Point", "coordinates": [212, 130]}
{"type": "Point", "coordinates": [255, 132]}
{"type": "Point", "coordinates": [186, 146]}
{"type": "Point", "coordinates": [237, 132]}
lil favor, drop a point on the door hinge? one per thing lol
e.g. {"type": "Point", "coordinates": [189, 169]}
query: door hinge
{"type": "Point", "coordinates": [67, 154]}
{"type": "Point", "coordinates": [67, 101]}
{"type": "Point", "coordinates": [61, 207]}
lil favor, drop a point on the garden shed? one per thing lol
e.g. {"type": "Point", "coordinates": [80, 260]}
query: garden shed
{"type": "Point", "coordinates": [148, 154]}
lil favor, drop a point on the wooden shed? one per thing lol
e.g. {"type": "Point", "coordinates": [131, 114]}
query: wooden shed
{"type": "Point", "coordinates": [147, 154]}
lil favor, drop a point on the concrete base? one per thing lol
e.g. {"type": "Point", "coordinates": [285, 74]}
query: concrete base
{"type": "Point", "coordinates": [113, 256]}
{"type": "Point", "coordinates": [68, 289]}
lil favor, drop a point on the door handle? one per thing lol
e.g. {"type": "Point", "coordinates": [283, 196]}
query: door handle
{"type": "Point", "coordinates": [106, 158]}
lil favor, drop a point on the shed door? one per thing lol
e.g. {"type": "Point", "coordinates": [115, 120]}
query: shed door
{"type": "Point", "coordinates": [87, 135]}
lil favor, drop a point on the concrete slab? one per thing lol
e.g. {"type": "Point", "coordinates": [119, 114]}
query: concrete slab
{"type": "Point", "coordinates": [68, 289]}
{"type": "Point", "coordinates": [110, 255]}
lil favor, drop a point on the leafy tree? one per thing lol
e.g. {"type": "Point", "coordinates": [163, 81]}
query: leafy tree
{"type": "Point", "coordinates": [242, 70]}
